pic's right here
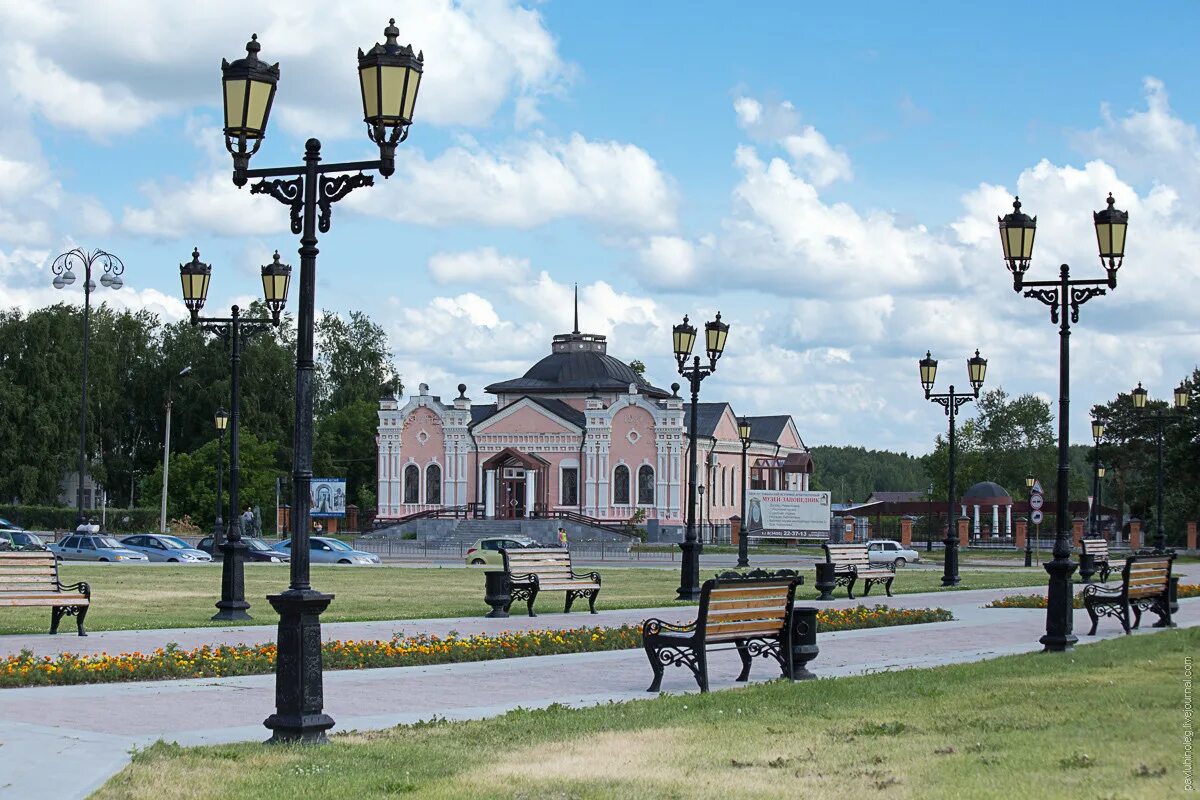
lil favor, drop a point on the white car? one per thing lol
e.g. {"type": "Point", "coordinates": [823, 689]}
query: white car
{"type": "Point", "coordinates": [889, 551]}
{"type": "Point", "coordinates": [327, 550]}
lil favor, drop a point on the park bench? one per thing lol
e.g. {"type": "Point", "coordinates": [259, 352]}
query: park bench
{"type": "Point", "coordinates": [1098, 550]}
{"type": "Point", "coordinates": [752, 612]}
{"type": "Point", "coordinates": [852, 563]}
{"type": "Point", "coordinates": [30, 579]}
{"type": "Point", "coordinates": [533, 570]}
{"type": "Point", "coordinates": [1145, 585]}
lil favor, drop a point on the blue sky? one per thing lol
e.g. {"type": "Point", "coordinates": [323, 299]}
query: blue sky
{"type": "Point", "coordinates": [827, 176]}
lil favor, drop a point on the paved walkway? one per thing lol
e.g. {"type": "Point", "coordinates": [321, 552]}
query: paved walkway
{"type": "Point", "coordinates": [93, 728]}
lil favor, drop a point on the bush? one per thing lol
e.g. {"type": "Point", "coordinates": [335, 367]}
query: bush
{"type": "Point", "coordinates": [408, 536]}
{"type": "Point", "coordinates": [54, 518]}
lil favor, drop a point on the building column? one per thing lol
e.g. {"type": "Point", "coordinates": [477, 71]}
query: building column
{"type": "Point", "coordinates": [1135, 534]}
{"type": "Point", "coordinates": [995, 521]}
{"type": "Point", "coordinates": [1019, 540]}
{"type": "Point", "coordinates": [1191, 536]}
{"type": "Point", "coordinates": [1008, 521]}
{"type": "Point", "coordinates": [975, 528]}
{"type": "Point", "coordinates": [964, 524]}
{"type": "Point", "coordinates": [489, 494]}
{"type": "Point", "coordinates": [530, 493]}
{"type": "Point", "coordinates": [906, 526]}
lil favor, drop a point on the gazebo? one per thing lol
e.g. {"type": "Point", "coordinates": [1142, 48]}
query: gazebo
{"type": "Point", "coordinates": [983, 495]}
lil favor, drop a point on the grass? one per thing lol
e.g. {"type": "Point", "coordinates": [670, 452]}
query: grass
{"type": "Point", "coordinates": [1017, 728]}
{"type": "Point", "coordinates": [142, 597]}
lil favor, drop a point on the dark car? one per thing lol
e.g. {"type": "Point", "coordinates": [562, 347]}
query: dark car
{"type": "Point", "coordinates": [14, 537]}
{"type": "Point", "coordinates": [256, 550]}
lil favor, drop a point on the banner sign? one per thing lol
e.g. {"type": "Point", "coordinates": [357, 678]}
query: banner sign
{"type": "Point", "coordinates": [770, 511]}
{"type": "Point", "coordinates": [327, 498]}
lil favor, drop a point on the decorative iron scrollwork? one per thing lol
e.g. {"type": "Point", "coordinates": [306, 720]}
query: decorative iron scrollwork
{"type": "Point", "coordinates": [330, 190]}
{"type": "Point", "coordinates": [288, 192]}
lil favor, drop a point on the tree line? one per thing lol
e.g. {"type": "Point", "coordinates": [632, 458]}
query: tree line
{"type": "Point", "coordinates": [134, 366]}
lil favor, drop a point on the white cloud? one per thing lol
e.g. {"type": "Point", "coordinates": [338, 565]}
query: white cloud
{"type": "Point", "coordinates": [808, 148]}
{"type": "Point", "coordinates": [477, 266]}
{"type": "Point", "coordinates": [207, 204]}
{"type": "Point", "coordinates": [527, 184]}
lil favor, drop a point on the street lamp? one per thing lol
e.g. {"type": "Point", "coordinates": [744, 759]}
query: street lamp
{"type": "Point", "coordinates": [1140, 396]}
{"type": "Point", "coordinates": [64, 268]}
{"type": "Point", "coordinates": [389, 77]}
{"type": "Point", "coordinates": [220, 422]}
{"type": "Point", "coordinates": [1099, 496]}
{"type": "Point", "coordinates": [743, 545]}
{"type": "Point", "coordinates": [684, 339]}
{"type": "Point", "coordinates": [1097, 435]}
{"type": "Point", "coordinates": [1064, 297]}
{"type": "Point", "coordinates": [1030, 482]}
{"type": "Point", "coordinates": [233, 330]}
{"type": "Point", "coordinates": [951, 401]}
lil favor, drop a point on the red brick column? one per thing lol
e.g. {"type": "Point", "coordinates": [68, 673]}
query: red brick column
{"type": "Point", "coordinates": [735, 530]}
{"type": "Point", "coordinates": [1020, 531]}
{"type": "Point", "coordinates": [1135, 534]}
{"type": "Point", "coordinates": [906, 524]}
{"type": "Point", "coordinates": [1191, 536]}
{"type": "Point", "coordinates": [1077, 530]}
{"type": "Point", "coordinates": [848, 534]}
{"type": "Point", "coordinates": [964, 531]}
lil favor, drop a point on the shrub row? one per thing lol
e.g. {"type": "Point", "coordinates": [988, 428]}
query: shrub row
{"type": "Point", "coordinates": [54, 518]}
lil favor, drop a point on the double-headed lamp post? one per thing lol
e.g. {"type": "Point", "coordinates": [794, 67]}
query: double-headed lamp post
{"type": "Point", "coordinates": [64, 268]}
{"type": "Point", "coordinates": [389, 78]}
{"type": "Point", "coordinates": [951, 401]}
{"type": "Point", "coordinates": [220, 422]}
{"type": "Point", "coordinates": [1030, 482]}
{"type": "Point", "coordinates": [1140, 396]}
{"type": "Point", "coordinates": [743, 544]}
{"type": "Point", "coordinates": [684, 336]}
{"type": "Point", "coordinates": [1064, 297]}
{"type": "Point", "coordinates": [1097, 435]}
{"type": "Point", "coordinates": [233, 330]}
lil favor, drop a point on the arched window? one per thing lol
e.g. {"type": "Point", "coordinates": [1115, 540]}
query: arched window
{"type": "Point", "coordinates": [723, 475]}
{"type": "Point", "coordinates": [646, 485]}
{"type": "Point", "coordinates": [433, 484]}
{"type": "Point", "coordinates": [412, 484]}
{"type": "Point", "coordinates": [621, 485]}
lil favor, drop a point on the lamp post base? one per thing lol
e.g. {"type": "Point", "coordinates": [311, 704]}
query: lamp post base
{"type": "Point", "coordinates": [232, 605]}
{"type": "Point", "coordinates": [1060, 615]}
{"type": "Point", "coordinates": [299, 692]}
{"type": "Point", "coordinates": [689, 571]}
{"type": "Point", "coordinates": [950, 567]}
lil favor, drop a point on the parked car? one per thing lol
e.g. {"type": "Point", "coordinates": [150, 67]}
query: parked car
{"type": "Point", "coordinates": [160, 547]}
{"type": "Point", "coordinates": [889, 551]}
{"type": "Point", "coordinates": [256, 550]}
{"type": "Point", "coordinates": [486, 551]}
{"type": "Point", "coordinates": [14, 537]}
{"type": "Point", "coordinates": [94, 547]}
{"type": "Point", "coordinates": [327, 550]}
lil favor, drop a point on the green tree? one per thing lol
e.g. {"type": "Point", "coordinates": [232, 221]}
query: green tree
{"type": "Point", "coordinates": [852, 473]}
{"type": "Point", "coordinates": [354, 361]}
{"type": "Point", "coordinates": [639, 367]}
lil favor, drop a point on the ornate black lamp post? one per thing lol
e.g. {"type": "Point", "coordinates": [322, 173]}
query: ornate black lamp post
{"type": "Point", "coordinates": [684, 335]}
{"type": "Point", "coordinates": [951, 401]}
{"type": "Point", "coordinates": [743, 544]}
{"type": "Point", "coordinates": [1140, 396]}
{"type": "Point", "coordinates": [1030, 482]}
{"type": "Point", "coordinates": [1064, 297]}
{"type": "Point", "coordinates": [220, 421]}
{"type": "Point", "coordinates": [929, 525]}
{"type": "Point", "coordinates": [64, 268]}
{"type": "Point", "coordinates": [1099, 497]}
{"type": "Point", "coordinates": [233, 330]}
{"type": "Point", "coordinates": [389, 78]}
{"type": "Point", "coordinates": [1097, 435]}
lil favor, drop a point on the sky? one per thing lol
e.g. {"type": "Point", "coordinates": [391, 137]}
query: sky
{"type": "Point", "coordinates": [827, 176]}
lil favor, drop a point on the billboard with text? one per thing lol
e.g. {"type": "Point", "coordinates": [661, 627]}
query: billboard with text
{"type": "Point", "coordinates": [771, 511]}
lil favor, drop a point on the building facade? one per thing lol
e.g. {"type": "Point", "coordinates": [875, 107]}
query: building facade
{"type": "Point", "coordinates": [579, 432]}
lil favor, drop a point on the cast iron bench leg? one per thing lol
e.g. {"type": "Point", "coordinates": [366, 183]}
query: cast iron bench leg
{"type": "Point", "coordinates": [746, 660]}
{"type": "Point", "coordinates": [56, 615]}
{"type": "Point", "coordinates": [1125, 617]}
{"type": "Point", "coordinates": [701, 668]}
{"type": "Point", "coordinates": [850, 587]}
{"type": "Point", "coordinates": [533, 593]}
{"type": "Point", "coordinates": [867, 584]}
{"type": "Point", "coordinates": [888, 586]}
{"type": "Point", "coordinates": [1091, 610]}
{"type": "Point", "coordinates": [592, 600]}
{"type": "Point", "coordinates": [570, 600]}
{"type": "Point", "coordinates": [80, 613]}
{"type": "Point", "coordinates": [655, 664]}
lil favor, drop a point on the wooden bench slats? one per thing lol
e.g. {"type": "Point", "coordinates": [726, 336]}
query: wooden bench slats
{"type": "Point", "coordinates": [30, 580]}
{"type": "Point", "coordinates": [6, 579]}
{"type": "Point", "coordinates": [1145, 585]}
{"type": "Point", "coordinates": [767, 618]}
{"type": "Point", "coordinates": [27, 570]}
{"type": "Point", "coordinates": [43, 600]}
{"type": "Point", "coordinates": [551, 571]}
{"type": "Point", "coordinates": [852, 563]}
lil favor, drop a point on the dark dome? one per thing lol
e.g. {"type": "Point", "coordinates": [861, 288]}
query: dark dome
{"type": "Point", "coordinates": [987, 490]}
{"type": "Point", "coordinates": [579, 363]}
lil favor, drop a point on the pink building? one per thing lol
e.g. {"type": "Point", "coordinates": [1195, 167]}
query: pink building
{"type": "Point", "coordinates": [582, 432]}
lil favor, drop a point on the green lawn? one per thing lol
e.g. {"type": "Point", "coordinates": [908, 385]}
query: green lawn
{"type": "Point", "coordinates": [143, 597]}
{"type": "Point", "coordinates": [1015, 728]}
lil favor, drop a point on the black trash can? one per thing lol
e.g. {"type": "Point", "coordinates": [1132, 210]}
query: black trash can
{"type": "Point", "coordinates": [496, 593]}
{"type": "Point", "coordinates": [826, 580]}
{"type": "Point", "coordinates": [1087, 567]}
{"type": "Point", "coordinates": [804, 641]}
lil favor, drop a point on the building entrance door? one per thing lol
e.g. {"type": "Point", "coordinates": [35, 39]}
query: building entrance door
{"type": "Point", "coordinates": [512, 499]}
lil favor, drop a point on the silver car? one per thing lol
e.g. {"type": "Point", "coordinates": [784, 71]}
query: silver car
{"type": "Point", "coordinates": [94, 547]}
{"type": "Point", "coordinates": [889, 551]}
{"type": "Point", "coordinates": [160, 547]}
{"type": "Point", "coordinates": [327, 550]}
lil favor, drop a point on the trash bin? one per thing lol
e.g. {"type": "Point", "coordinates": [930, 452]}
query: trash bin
{"type": "Point", "coordinates": [496, 593]}
{"type": "Point", "coordinates": [804, 641]}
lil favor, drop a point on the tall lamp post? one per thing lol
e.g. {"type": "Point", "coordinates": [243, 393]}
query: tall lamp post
{"type": "Point", "coordinates": [389, 78]}
{"type": "Point", "coordinates": [220, 421]}
{"type": "Point", "coordinates": [1097, 435]}
{"type": "Point", "coordinates": [1064, 297]}
{"type": "Point", "coordinates": [233, 330]}
{"type": "Point", "coordinates": [1030, 482]}
{"type": "Point", "coordinates": [929, 525]}
{"type": "Point", "coordinates": [64, 268]}
{"type": "Point", "coordinates": [684, 337]}
{"type": "Point", "coordinates": [1140, 396]}
{"type": "Point", "coordinates": [1099, 498]}
{"type": "Point", "coordinates": [951, 401]}
{"type": "Point", "coordinates": [743, 544]}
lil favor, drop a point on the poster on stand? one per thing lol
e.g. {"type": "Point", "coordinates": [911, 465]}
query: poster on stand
{"type": "Point", "coordinates": [327, 498]}
{"type": "Point", "coordinates": [784, 512]}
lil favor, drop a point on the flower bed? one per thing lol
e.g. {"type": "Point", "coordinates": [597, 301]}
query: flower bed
{"type": "Point", "coordinates": [171, 662]}
{"type": "Point", "coordinates": [1038, 601]}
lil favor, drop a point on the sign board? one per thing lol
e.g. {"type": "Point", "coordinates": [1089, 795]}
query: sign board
{"type": "Point", "coordinates": [1036, 501]}
{"type": "Point", "coordinates": [327, 498]}
{"type": "Point", "coordinates": [781, 511]}
{"type": "Point", "coordinates": [1036, 517]}
{"type": "Point", "coordinates": [1037, 487]}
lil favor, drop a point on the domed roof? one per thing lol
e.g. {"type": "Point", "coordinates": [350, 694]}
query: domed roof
{"type": "Point", "coordinates": [987, 490]}
{"type": "Point", "coordinates": [581, 364]}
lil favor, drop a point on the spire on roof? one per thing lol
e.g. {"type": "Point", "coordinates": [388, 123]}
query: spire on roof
{"type": "Point", "coordinates": [576, 331]}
